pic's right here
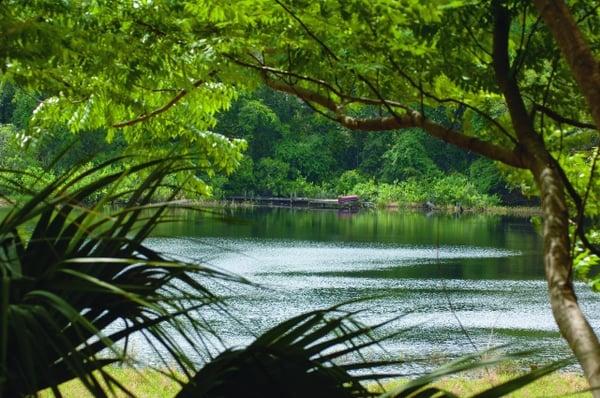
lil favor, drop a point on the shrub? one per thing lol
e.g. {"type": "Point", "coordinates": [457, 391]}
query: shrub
{"type": "Point", "coordinates": [271, 177]}
{"type": "Point", "coordinates": [367, 190]}
{"type": "Point", "coordinates": [456, 188]}
{"type": "Point", "coordinates": [348, 180]}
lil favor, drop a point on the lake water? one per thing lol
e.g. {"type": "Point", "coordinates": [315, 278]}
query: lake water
{"type": "Point", "coordinates": [464, 283]}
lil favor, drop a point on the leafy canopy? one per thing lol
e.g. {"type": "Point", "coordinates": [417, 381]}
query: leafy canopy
{"type": "Point", "coordinates": [174, 65]}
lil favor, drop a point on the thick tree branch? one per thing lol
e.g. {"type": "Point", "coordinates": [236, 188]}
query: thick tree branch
{"type": "Point", "coordinates": [410, 119]}
{"type": "Point", "coordinates": [576, 51]}
{"type": "Point", "coordinates": [561, 119]}
{"type": "Point", "coordinates": [558, 267]}
{"type": "Point", "coordinates": [427, 94]}
{"type": "Point", "coordinates": [552, 183]}
{"type": "Point", "coordinates": [158, 111]}
{"type": "Point", "coordinates": [284, 74]}
{"type": "Point", "coordinates": [520, 118]}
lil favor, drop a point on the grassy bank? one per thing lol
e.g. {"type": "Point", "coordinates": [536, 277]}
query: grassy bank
{"type": "Point", "coordinates": [554, 385]}
{"type": "Point", "coordinates": [147, 383]}
{"type": "Point", "coordinates": [498, 210]}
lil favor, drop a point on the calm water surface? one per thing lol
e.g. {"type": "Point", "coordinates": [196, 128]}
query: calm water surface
{"type": "Point", "coordinates": [482, 272]}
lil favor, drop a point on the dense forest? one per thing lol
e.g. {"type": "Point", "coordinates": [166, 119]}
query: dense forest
{"type": "Point", "coordinates": [291, 151]}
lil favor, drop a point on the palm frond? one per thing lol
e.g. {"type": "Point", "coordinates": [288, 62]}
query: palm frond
{"type": "Point", "coordinates": [70, 272]}
{"type": "Point", "coordinates": [294, 359]}
{"type": "Point", "coordinates": [318, 354]}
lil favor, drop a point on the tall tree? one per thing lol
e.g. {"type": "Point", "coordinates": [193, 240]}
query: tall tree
{"type": "Point", "coordinates": [402, 59]}
{"type": "Point", "coordinates": [374, 65]}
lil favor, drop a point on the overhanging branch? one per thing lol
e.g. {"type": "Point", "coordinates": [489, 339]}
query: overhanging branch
{"type": "Point", "coordinates": [520, 118]}
{"type": "Point", "coordinates": [561, 119]}
{"type": "Point", "coordinates": [409, 119]}
{"type": "Point", "coordinates": [287, 75]}
{"type": "Point", "coordinates": [158, 111]}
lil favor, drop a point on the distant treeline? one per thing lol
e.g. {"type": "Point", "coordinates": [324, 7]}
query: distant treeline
{"type": "Point", "coordinates": [292, 151]}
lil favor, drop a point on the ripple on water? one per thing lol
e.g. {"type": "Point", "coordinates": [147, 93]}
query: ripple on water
{"type": "Point", "coordinates": [247, 257]}
{"type": "Point", "coordinates": [300, 276]}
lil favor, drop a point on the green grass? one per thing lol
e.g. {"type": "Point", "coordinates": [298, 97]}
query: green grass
{"type": "Point", "coordinates": [558, 384]}
{"type": "Point", "coordinates": [150, 384]}
{"type": "Point", "coordinates": [143, 383]}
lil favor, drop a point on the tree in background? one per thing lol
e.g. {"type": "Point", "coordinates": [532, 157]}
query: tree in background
{"type": "Point", "coordinates": [317, 152]}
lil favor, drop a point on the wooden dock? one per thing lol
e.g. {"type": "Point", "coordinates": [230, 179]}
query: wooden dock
{"type": "Point", "coordinates": [298, 202]}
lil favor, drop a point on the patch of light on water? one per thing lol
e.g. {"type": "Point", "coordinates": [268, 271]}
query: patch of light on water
{"type": "Point", "coordinates": [247, 257]}
{"type": "Point", "coordinates": [298, 276]}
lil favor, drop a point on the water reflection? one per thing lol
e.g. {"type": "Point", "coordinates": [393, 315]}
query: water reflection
{"type": "Point", "coordinates": [485, 270]}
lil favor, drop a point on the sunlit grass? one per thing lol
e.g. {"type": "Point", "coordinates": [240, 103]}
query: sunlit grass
{"type": "Point", "coordinates": [554, 385]}
{"type": "Point", "coordinates": [151, 384]}
{"type": "Point", "coordinates": [142, 383]}
{"type": "Point", "coordinates": [558, 384]}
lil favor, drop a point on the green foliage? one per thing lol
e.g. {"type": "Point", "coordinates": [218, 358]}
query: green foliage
{"type": "Point", "coordinates": [348, 180]}
{"type": "Point", "coordinates": [456, 188]}
{"type": "Point", "coordinates": [586, 264]}
{"type": "Point", "coordinates": [297, 358]}
{"type": "Point", "coordinates": [24, 104]}
{"type": "Point", "coordinates": [367, 190]}
{"type": "Point", "coordinates": [311, 153]}
{"type": "Point", "coordinates": [408, 158]}
{"type": "Point", "coordinates": [408, 193]}
{"type": "Point", "coordinates": [109, 70]}
{"type": "Point", "coordinates": [307, 155]}
{"type": "Point", "coordinates": [242, 181]}
{"type": "Point", "coordinates": [442, 191]}
{"type": "Point", "coordinates": [485, 175]}
{"type": "Point", "coordinates": [86, 146]}
{"type": "Point", "coordinates": [34, 177]}
{"type": "Point", "coordinates": [7, 107]}
{"type": "Point", "coordinates": [70, 271]}
{"type": "Point", "coordinates": [99, 69]}
{"type": "Point", "coordinates": [257, 123]}
{"type": "Point", "coordinates": [13, 154]}
{"type": "Point", "coordinates": [271, 176]}
{"type": "Point", "coordinates": [22, 151]}
{"type": "Point", "coordinates": [300, 187]}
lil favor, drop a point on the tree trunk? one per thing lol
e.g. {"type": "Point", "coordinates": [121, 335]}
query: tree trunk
{"type": "Point", "coordinates": [558, 267]}
{"type": "Point", "coordinates": [575, 49]}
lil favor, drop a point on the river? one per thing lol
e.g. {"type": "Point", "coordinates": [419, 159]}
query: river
{"type": "Point", "coordinates": [463, 283]}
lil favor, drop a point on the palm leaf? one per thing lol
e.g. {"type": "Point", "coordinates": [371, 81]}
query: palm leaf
{"type": "Point", "coordinates": [306, 356]}
{"type": "Point", "coordinates": [80, 270]}
{"type": "Point", "coordinates": [293, 359]}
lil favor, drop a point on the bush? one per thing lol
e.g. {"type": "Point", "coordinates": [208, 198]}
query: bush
{"type": "Point", "coordinates": [301, 187]}
{"type": "Point", "coordinates": [367, 190]}
{"type": "Point", "coordinates": [242, 181]}
{"type": "Point", "coordinates": [348, 180]}
{"type": "Point", "coordinates": [444, 191]}
{"type": "Point", "coordinates": [456, 188]}
{"type": "Point", "coordinates": [408, 158]}
{"type": "Point", "coordinates": [485, 175]}
{"type": "Point", "coordinates": [272, 177]}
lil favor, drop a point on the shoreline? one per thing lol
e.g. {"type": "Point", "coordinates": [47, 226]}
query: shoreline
{"type": "Point", "coordinates": [521, 211]}
{"type": "Point", "coordinates": [518, 211]}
